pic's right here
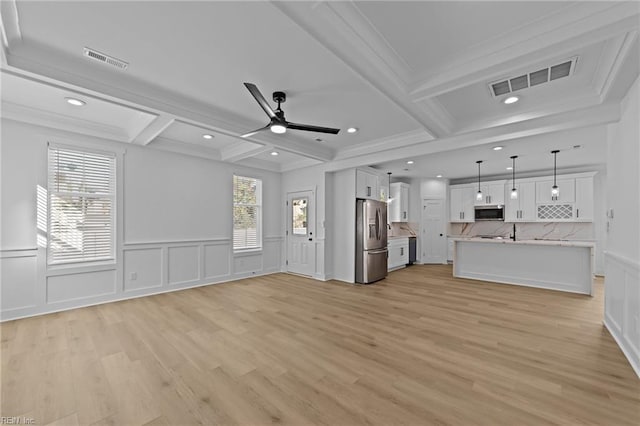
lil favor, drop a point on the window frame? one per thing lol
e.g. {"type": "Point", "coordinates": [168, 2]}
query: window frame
{"type": "Point", "coordinates": [112, 196]}
{"type": "Point", "coordinates": [258, 206]}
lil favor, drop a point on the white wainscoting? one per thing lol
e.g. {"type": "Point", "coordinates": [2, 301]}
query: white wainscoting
{"type": "Point", "coordinates": [146, 268]}
{"type": "Point", "coordinates": [18, 274]}
{"type": "Point", "coordinates": [622, 305]}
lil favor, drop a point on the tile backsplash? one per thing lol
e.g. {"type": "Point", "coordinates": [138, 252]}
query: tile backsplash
{"type": "Point", "coordinates": [527, 231]}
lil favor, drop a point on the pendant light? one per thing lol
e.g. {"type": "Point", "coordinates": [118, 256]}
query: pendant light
{"type": "Point", "coordinates": [555, 191]}
{"type": "Point", "coordinates": [479, 194]}
{"type": "Point", "coordinates": [389, 189]}
{"type": "Point", "coordinates": [514, 191]}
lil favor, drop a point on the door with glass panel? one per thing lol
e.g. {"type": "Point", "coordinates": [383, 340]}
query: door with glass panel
{"type": "Point", "coordinates": [301, 238]}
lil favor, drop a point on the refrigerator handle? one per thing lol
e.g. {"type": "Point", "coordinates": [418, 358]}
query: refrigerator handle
{"type": "Point", "coordinates": [377, 224]}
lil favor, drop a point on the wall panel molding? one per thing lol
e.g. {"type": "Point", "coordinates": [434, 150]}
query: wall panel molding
{"type": "Point", "coordinates": [622, 304]}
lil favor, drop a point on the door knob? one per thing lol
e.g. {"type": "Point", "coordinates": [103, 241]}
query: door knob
{"type": "Point", "coordinates": [441, 235]}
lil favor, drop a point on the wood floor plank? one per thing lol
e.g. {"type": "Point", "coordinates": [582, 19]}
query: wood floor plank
{"type": "Point", "coordinates": [418, 348]}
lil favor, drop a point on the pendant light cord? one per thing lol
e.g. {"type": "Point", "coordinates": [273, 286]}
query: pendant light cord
{"type": "Point", "coordinates": [479, 162]}
{"type": "Point", "coordinates": [555, 157]}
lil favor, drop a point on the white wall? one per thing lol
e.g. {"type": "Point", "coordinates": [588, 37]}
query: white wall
{"type": "Point", "coordinates": [622, 257]}
{"type": "Point", "coordinates": [174, 227]}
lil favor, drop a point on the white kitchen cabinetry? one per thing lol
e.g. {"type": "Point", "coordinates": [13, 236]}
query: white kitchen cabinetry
{"type": "Point", "coordinates": [399, 206]}
{"type": "Point", "coordinates": [450, 249]}
{"type": "Point", "coordinates": [492, 194]}
{"type": "Point", "coordinates": [566, 187]}
{"type": "Point", "coordinates": [461, 207]}
{"type": "Point", "coordinates": [398, 253]}
{"type": "Point", "coordinates": [522, 209]}
{"type": "Point", "coordinates": [367, 185]}
{"type": "Point", "coordinates": [584, 199]}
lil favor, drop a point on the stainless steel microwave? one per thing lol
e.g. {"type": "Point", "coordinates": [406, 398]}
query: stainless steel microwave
{"type": "Point", "coordinates": [489, 213]}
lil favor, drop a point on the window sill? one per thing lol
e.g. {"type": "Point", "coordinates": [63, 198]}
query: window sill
{"type": "Point", "coordinates": [247, 252]}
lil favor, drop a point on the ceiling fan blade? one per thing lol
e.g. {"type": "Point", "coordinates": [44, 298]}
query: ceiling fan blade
{"type": "Point", "coordinates": [312, 128]}
{"type": "Point", "coordinates": [246, 135]}
{"type": "Point", "coordinates": [260, 99]}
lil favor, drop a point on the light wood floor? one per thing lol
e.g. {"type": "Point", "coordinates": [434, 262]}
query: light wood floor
{"type": "Point", "coordinates": [417, 348]}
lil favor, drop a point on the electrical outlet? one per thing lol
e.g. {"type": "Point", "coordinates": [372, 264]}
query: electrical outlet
{"type": "Point", "coordinates": [133, 276]}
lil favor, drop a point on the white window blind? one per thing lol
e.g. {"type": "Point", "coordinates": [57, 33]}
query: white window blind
{"type": "Point", "coordinates": [247, 219]}
{"type": "Point", "coordinates": [81, 206]}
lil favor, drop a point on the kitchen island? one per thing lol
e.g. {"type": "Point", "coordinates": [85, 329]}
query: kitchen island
{"type": "Point", "coordinates": [551, 264]}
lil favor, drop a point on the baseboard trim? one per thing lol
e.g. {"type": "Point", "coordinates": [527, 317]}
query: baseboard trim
{"type": "Point", "coordinates": [127, 296]}
{"type": "Point", "coordinates": [628, 353]}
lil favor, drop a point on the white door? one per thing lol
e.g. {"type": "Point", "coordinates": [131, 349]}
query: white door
{"type": "Point", "coordinates": [434, 240]}
{"type": "Point", "coordinates": [301, 236]}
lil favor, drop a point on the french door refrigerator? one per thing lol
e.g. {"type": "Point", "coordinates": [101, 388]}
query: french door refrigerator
{"type": "Point", "coordinates": [371, 241]}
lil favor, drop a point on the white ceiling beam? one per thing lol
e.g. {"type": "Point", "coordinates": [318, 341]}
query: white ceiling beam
{"type": "Point", "coordinates": [152, 131]}
{"type": "Point", "coordinates": [623, 49]}
{"type": "Point", "coordinates": [567, 32]}
{"type": "Point", "coordinates": [185, 148]}
{"type": "Point", "coordinates": [129, 92]}
{"type": "Point", "coordinates": [341, 28]}
{"type": "Point", "coordinates": [594, 116]}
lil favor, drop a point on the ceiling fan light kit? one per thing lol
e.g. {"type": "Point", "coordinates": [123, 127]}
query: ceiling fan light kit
{"type": "Point", "coordinates": [278, 124]}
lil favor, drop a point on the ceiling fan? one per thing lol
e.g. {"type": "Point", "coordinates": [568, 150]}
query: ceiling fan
{"type": "Point", "coordinates": [278, 124]}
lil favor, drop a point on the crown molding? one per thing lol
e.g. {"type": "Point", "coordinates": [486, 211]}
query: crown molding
{"type": "Point", "coordinates": [344, 32]}
{"type": "Point", "coordinates": [592, 23]}
{"type": "Point", "coordinates": [260, 164]}
{"type": "Point", "coordinates": [9, 24]}
{"type": "Point", "coordinates": [193, 150]}
{"type": "Point", "coordinates": [134, 97]}
{"type": "Point", "coordinates": [605, 77]}
{"type": "Point", "coordinates": [242, 151]}
{"type": "Point", "coordinates": [586, 117]}
{"type": "Point", "coordinates": [385, 144]}
{"type": "Point", "coordinates": [156, 127]}
{"type": "Point", "coordinates": [43, 118]}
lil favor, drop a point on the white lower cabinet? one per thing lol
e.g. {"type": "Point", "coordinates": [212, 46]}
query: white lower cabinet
{"type": "Point", "coordinates": [398, 253]}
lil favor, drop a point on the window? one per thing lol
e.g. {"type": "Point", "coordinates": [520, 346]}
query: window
{"type": "Point", "coordinates": [247, 215]}
{"type": "Point", "coordinates": [81, 206]}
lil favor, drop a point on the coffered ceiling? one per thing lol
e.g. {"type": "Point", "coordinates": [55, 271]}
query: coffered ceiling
{"type": "Point", "coordinates": [413, 77]}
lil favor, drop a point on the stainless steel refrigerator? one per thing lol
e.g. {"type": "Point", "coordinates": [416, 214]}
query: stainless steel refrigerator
{"type": "Point", "coordinates": [371, 241]}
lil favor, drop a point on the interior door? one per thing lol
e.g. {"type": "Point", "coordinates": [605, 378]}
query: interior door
{"type": "Point", "coordinates": [301, 236]}
{"type": "Point", "coordinates": [434, 240]}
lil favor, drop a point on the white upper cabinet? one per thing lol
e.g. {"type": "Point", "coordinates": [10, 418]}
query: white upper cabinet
{"type": "Point", "coordinates": [566, 187]}
{"type": "Point", "coordinates": [461, 198]}
{"type": "Point", "coordinates": [584, 199]}
{"type": "Point", "coordinates": [399, 206]}
{"type": "Point", "coordinates": [367, 185]}
{"type": "Point", "coordinates": [522, 209]}
{"type": "Point", "coordinates": [492, 194]}
{"type": "Point", "coordinates": [575, 202]}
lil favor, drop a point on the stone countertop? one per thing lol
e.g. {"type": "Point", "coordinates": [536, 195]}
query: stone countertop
{"type": "Point", "coordinates": [564, 243]}
{"type": "Point", "coordinates": [397, 237]}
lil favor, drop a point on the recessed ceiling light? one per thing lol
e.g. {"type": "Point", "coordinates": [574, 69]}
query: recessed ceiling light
{"type": "Point", "coordinates": [410, 162]}
{"type": "Point", "coordinates": [207, 136]}
{"type": "Point", "coordinates": [497, 148]}
{"type": "Point", "coordinates": [509, 168]}
{"type": "Point", "coordinates": [439, 176]}
{"type": "Point", "coordinates": [352, 129]}
{"type": "Point", "coordinates": [75, 102]}
{"type": "Point", "coordinates": [511, 100]}
{"type": "Point", "coordinates": [274, 153]}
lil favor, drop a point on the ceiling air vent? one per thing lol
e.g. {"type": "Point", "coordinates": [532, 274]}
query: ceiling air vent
{"type": "Point", "coordinates": [105, 59]}
{"type": "Point", "coordinates": [541, 76]}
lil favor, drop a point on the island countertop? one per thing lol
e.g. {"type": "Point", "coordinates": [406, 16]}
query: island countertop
{"type": "Point", "coordinates": [566, 243]}
{"type": "Point", "coordinates": [550, 264]}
